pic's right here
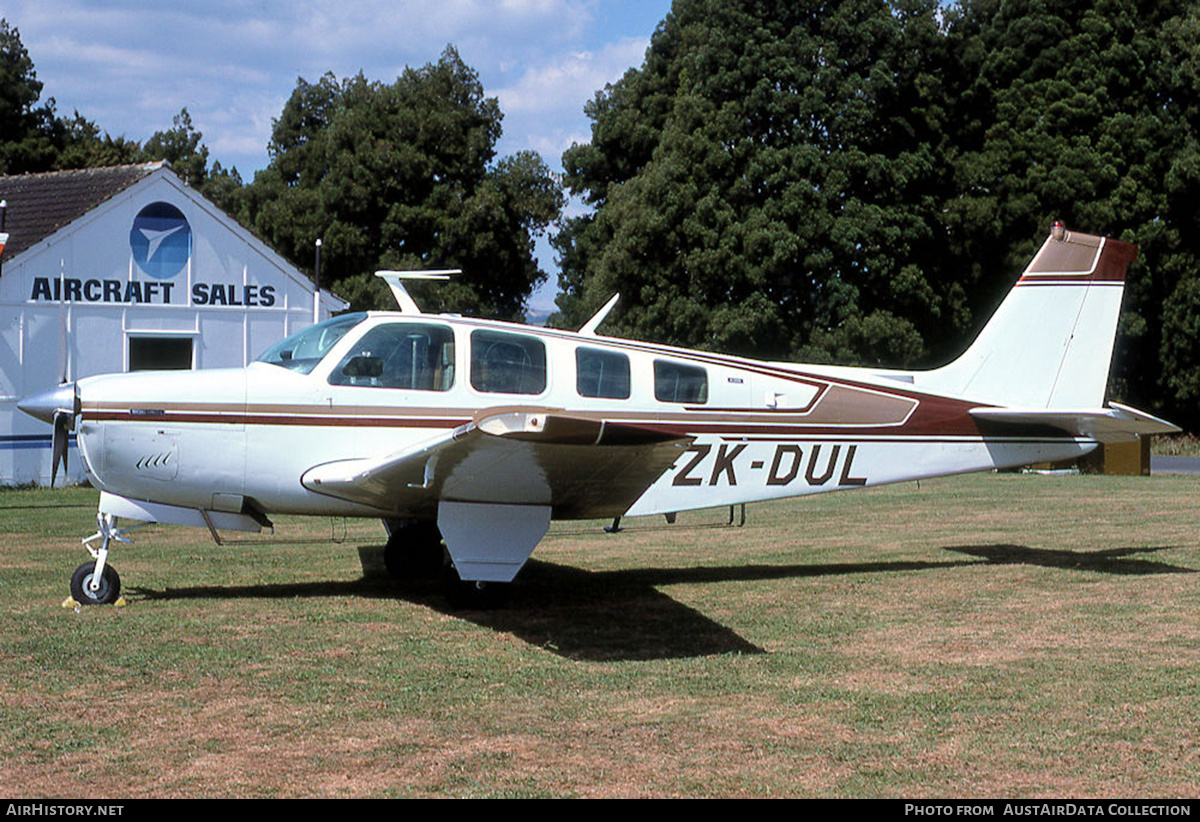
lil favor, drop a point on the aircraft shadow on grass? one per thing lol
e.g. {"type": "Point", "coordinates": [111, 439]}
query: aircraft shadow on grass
{"type": "Point", "coordinates": [621, 615]}
{"type": "Point", "coordinates": [1121, 561]}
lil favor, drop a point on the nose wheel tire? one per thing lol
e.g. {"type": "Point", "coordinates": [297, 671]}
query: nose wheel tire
{"type": "Point", "coordinates": [107, 592]}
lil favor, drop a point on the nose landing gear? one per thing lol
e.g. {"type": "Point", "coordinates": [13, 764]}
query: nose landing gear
{"type": "Point", "coordinates": [97, 582]}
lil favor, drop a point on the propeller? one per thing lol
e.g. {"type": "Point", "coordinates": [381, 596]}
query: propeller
{"type": "Point", "coordinates": [63, 423]}
{"type": "Point", "coordinates": [58, 406]}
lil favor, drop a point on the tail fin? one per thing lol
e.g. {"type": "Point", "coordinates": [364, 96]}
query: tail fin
{"type": "Point", "coordinates": [1050, 343]}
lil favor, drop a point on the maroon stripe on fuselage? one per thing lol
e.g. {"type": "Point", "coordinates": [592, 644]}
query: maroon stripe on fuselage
{"type": "Point", "coordinates": [253, 419]}
{"type": "Point", "coordinates": [965, 428]}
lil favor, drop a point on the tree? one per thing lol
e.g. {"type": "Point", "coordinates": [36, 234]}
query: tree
{"type": "Point", "coordinates": [180, 146]}
{"type": "Point", "coordinates": [860, 180]}
{"type": "Point", "coordinates": [80, 145]}
{"type": "Point", "coordinates": [1085, 112]}
{"type": "Point", "coordinates": [26, 129]}
{"type": "Point", "coordinates": [768, 183]}
{"type": "Point", "coordinates": [404, 176]}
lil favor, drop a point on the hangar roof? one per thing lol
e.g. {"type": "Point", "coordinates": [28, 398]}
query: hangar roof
{"type": "Point", "coordinates": [40, 204]}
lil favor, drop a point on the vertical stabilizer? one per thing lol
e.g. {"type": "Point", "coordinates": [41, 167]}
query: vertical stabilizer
{"type": "Point", "coordinates": [1050, 343]}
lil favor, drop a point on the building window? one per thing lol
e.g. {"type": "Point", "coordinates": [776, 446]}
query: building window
{"type": "Point", "coordinates": [507, 363]}
{"type": "Point", "coordinates": [160, 353]}
{"type": "Point", "coordinates": [675, 382]}
{"type": "Point", "coordinates": [601, 374]}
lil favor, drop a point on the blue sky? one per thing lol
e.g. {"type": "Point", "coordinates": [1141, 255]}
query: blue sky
{"type": "Point", "coordinates": [130, 66]}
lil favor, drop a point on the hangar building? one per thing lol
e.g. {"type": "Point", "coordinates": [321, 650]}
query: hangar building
{"type": "Point", "coordinates": [121, 269]}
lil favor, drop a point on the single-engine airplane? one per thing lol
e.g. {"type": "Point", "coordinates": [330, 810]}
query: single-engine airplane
{"type": "Point", "coordinates": [478, 433]}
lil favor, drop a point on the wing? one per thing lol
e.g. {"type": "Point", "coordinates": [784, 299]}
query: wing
{"type": "Point", "coordinates": [580, 466]}
{"type": "Point", "coordinates": [1118, 423]}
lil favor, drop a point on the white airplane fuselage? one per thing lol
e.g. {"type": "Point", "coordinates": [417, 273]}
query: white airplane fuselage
{"type": "Point", "coordinates": [763, 431]}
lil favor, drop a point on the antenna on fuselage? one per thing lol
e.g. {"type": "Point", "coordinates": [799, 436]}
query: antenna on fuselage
{"type": "Point", "coordinates": [395, 279]}
{"type": "Point", "coordinates": [589, 327]}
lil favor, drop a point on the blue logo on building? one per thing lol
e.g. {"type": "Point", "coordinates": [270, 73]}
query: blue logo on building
{"type": "Point", "coordinates": [161, 240]}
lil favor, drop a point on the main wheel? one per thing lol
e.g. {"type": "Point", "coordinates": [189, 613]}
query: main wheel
{"type": "Point", "coordinates": [81, 580]}
{"type": "Point", "coordinates": [414, 551]}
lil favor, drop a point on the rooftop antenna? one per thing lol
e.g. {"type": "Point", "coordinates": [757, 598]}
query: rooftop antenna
{"type": "Point", "coordinates": [589, 327]}
{"type": "Point", "coordinates": [395, 280]}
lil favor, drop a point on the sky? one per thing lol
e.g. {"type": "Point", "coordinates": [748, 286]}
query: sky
{"type": "Point", "coordinates": [130, 65]}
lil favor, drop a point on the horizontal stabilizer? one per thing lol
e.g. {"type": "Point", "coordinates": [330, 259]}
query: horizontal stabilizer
{"type": "Point", "coordinates": [1117, 423]}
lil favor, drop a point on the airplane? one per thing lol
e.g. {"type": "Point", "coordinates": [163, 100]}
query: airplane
{"type": "Point", "coordinates": [468, 436]}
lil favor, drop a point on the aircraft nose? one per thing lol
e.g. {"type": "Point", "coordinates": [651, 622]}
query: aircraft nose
{"type": "Point", "coordinates": [44, 405]}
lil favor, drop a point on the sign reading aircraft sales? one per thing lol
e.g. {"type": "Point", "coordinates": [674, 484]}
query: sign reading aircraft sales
{"type": "Point", "coordinates": [160, 241]}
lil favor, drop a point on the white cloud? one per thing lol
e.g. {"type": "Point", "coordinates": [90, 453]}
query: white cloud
{"type": "Point", "coordinates": [544, 107]}
{"type": "Point", "coordinates": [566, 79]}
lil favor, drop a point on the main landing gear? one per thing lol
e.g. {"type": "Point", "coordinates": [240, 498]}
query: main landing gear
{"type": "Point", "coordinates": [415, 551]}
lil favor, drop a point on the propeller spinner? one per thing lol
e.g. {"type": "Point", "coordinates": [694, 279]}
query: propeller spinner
{"type": "Point", "coordinates": [59, 407]}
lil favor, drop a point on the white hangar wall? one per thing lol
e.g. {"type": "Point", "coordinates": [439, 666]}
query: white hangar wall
{"type": "Point", "coordinates": [133, 276]}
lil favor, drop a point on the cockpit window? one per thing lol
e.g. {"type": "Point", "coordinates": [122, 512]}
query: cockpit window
{"type": "Point", "coordinates": [302, 351]}
{"type": "Point", "coordinates": [417, 356]}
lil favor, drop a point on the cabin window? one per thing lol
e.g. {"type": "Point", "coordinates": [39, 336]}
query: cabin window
{"type": "Point", "coordinates": [601, 374]}
{"type": "Point", "coordinates": [415, 356]}
{"type": "Point", "coordinates": [676, 382]}
{"type": "Point", "coordinates": [504, 363]}
{"type": "Point", "coordinates": [303, 350]}
{"type": "Point", "coordinates": [160, 353]}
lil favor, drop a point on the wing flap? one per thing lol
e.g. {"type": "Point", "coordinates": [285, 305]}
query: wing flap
{"type": "Point", "coordinates": [1117, 423]}
{"type": "Point", "coordinates": [579, 466]}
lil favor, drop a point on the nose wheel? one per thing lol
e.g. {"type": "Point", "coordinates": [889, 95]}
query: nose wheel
{"type": "Point", "coordinates": [97, 582]}
{"type": "Point", "coordinates": [88, 588]}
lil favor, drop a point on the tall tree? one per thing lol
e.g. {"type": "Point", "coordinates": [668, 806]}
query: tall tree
{"type": "Point", "coordinates": [80, 144]}
{"type": "Point", "coordinates": [768, 182]}
{"type": "Point", "coordinates": [1085, 111]}
{"type": "Point", "coordinates": [404, 175]}
{"type": "Point", "coordinates": [26, 129]}
{"type": "Point", "coordinates": [180, 146]}
{"type": "Point", "coordinates": [860, 179]}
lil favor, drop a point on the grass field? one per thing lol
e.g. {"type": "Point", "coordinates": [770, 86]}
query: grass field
{"type": "Point", "coordinates": [988, 636]}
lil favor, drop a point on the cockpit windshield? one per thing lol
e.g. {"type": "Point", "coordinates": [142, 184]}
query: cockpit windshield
{"type": "Point", "coordinates": [302, 351]}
